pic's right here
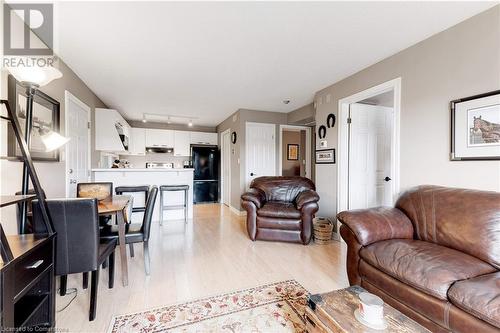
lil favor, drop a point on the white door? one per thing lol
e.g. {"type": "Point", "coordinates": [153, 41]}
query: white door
{"type": "Point", "coordinates": [78, 147]}
{"type": "Point", "coordinates": [260, 151]}
{"type": "Point", "coordinates": [370, 164]}
{"type": "Point", "coordinates": [226, 167]}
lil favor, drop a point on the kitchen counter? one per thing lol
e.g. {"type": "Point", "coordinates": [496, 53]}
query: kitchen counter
{"type": "Point", "coordinates": [143, 169]}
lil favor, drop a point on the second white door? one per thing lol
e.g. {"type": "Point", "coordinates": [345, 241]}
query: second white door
{"type": "Point", "coordinates": [260, 151]}
{"type": "Point", "coordinates": [370, 164]}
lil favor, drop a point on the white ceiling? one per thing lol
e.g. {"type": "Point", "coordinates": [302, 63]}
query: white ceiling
{"type": "Point", "coordinates": [206, 60]}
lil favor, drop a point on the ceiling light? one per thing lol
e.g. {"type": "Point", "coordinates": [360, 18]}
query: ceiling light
{"type": "Point", "coordinates": [190, 124]}
{"type": "Point", "coordinates": [168, 120]}
{"type": "Point", "coordinates": [286, 101]}
{"type": "Point", "coordinates": [144, 119]}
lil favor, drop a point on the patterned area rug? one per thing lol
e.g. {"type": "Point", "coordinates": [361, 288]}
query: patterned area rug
{"type": "Point", "coordinates": [277, 307]}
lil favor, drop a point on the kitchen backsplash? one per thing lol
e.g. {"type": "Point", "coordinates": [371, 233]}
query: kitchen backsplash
{"type": "Point", "coordinates": [140, 161]}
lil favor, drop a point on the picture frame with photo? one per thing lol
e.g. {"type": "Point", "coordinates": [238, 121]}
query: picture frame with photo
{"type": "Point", "coordinates": [292, 152]}
{"type": "Point", "coordinates": [325, 156]}
{"type": "Point", "coordinates": [46, 113]}
{"type": "Point", "coordinates": [475, 127]}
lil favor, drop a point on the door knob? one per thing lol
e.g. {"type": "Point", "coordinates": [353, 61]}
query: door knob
{"type": "Point", "coordinates": [253, 174]}
{"type": "Point", "coordinates": [387, 179]}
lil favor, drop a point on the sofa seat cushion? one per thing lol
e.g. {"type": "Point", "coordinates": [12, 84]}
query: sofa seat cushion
{"type": "Point", "coordinates": [426, 266]}
{"type": "Point", "coordinates": [279, 209]}
{"type": "Point", "coordinates": [479, 296]}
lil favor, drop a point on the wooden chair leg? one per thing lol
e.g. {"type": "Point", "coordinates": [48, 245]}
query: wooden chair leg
{"type": "Point", "coordinates": [111, 270]}
{"type": "Point", "coordinates": [131, 246]}
{"type": "Point", "coordinates": [64, 284]}
{"type": "Point", "coordinates": [85, 284]}
{"type": "Point", "coordinates": [146, 258]}
{"type": "Point", "coordinates": [93, 294]}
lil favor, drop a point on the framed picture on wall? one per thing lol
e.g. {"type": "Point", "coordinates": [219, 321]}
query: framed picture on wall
{"type": "Point", "coordinates": [475, 127]}
{"type": "Point", "coordinates": [325, 156]}
{"type": "Point", "coordinates": [292, 152]}
{"type": "Point", "coordinates": [45, 117]}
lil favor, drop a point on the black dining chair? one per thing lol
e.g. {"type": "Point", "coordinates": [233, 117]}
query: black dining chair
{"type": "Point", "coordinates": [136, 232]}
{"type": "Point", "coordinates": [120, 190]}
{"type": "Point", "coordinates": [78, 247]}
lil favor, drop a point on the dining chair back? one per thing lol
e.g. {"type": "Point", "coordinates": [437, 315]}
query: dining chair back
{"type": "Point", "coordinates": [148, 213]}
{"type": "Point", "coordinates": [120, 190]}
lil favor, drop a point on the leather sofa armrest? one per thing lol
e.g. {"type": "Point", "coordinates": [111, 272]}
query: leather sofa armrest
{"type": "Point", "coordinates": [377, 224]}
{"type": "Point", "coordinates": [306, 197]}
{"type": "Point", "coordinates": [256, 196]}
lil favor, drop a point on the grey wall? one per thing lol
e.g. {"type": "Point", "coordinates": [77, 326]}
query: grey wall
{"type": "Point", "coordinates": [459, 62]}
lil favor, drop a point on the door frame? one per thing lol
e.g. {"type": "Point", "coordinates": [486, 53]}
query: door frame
{"type": "Point", "coordinates": [246, 147]}
{"type": "Point", "coordinates": [67, 98]}
{"type": "Point", "coordinates": [343, 139]}
{"type": "Point", "coordinates": [308, 148]}
{"type": "Point", "coordinates": [224, 181]}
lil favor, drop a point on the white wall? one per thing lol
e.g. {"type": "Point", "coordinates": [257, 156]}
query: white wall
{"type": "Point", "coordinates": [459, 62]}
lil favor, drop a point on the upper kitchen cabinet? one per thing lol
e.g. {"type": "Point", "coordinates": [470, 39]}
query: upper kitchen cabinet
{"type": "Point", "coordinates": [137, 141]}
{"type": "Point", "coordinates": [159, 138]}
{"type": "Point", "coordinates": [112, 132]}
{"type": "Point", "coordinates": [203, 138]}
{"type": "Point", "coordinates": [182, 143]}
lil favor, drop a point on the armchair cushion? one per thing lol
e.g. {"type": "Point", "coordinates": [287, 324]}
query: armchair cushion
{"type": "Point", "coordinates": [279, 209]}
{"type": "Point", "coordinates": [377, 224]}
{"type": "Point", "coordinates": [258, 197]}
{"type": "Point", "coordinates": [306, 197]}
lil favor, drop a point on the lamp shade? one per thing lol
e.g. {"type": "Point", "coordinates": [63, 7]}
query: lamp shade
{"type": "Point", "coordinates": [37, 75]}
{"type": "Point", "coordinates": [53, 140]}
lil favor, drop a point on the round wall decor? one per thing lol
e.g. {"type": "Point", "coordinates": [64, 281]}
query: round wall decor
{"type": "Point", "coordinates": [330, 120]}
{"type": "Point", "coordinates": [322, 132]}
{"type": "Point", "coordinates": [233, 137]}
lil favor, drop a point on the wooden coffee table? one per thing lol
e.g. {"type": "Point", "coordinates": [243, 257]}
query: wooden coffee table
{"type": "Point", "coordinates": [334, 312]}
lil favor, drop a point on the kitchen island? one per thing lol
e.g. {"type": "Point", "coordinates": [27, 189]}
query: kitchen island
{"type": "Point", "coordinates": [158, 177]}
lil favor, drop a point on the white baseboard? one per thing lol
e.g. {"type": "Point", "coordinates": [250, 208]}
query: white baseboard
{"type": "Point", "coordinates": [237, 211]}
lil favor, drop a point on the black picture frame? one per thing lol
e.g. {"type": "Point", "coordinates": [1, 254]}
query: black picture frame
{"type": "Point", "coordinates": [289, 154]}
{"type": "Point", "coordinates": [17, 98]}
{"type": "Point", "coordinates": [454, 156]}
{"type": "Point", "coordinates": [319, 159]}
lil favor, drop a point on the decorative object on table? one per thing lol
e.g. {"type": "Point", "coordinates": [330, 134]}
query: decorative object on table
{"type": "Point", "coordinates": [325, 156]}
{"type": "Point", "coordinates": [275, 307]}
{"type": "Point", "coordinates": [330, 120]}
{"type": "Point", "coordinates": [322, 229]}
{"type": "Point", "coordinates": [98, 190]}
{"type": "Point", "coordinates": [322, 132]}
{"type": "Point", "coordinates": [475, 127]}
{"type": "Point", "coordinates": [44, 118]}
{"type": "Point", "coordinates": [334, 312]}
{"type": "Point", "coordinates": [292, 153]}
{"type": "Point", "coordinates": [233, 137]}
{"type": "Point", "coordinates": [121, 164]}
{"type": "Point", "coordinates": [370, 311]}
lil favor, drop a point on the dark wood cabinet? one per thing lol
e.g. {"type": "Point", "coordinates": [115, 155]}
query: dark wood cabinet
{"type": "Point", "coordinates": [28, 285]}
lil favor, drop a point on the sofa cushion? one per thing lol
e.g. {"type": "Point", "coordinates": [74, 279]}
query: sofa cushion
{"type": "Point", "coordinates": [426, 266]}
{"type": "Point", "coordinates": [480, 296]}
{"type": "Point", "coordinates": [279, 210]}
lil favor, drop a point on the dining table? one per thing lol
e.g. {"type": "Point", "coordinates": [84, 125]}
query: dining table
{"type": "Point", "coordinates": [116, 205]}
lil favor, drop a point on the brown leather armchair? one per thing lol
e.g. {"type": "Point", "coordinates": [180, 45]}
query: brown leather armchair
{"type": "Point", "coordinates": [280, 209]}
{"type": "Point", "coordinates": [434, 257]}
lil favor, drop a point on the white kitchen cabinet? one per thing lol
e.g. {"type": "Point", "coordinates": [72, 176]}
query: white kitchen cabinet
{"type": "Point", "coordinates": [111, 131]}
{"type": "Point", "coordinates": [203, 138]}
{"type": "Point", "coordinates": [159, 138]}
{"type": "Point", "coordinates": [182, 143]}
{"type": "Point", "coordinates": [137, 145]}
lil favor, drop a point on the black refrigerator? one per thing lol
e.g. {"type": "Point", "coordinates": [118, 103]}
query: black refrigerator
{"type": "Point", "coordinates": [205, 161]}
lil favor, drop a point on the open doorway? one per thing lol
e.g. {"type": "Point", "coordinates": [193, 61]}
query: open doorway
{"type": "Point", "coordinates": [295, 151]}
{"type": "Point", "coordinates": [369, 147]}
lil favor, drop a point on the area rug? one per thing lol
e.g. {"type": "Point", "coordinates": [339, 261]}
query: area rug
{"type": "Point", "coordinates": [276, 307]}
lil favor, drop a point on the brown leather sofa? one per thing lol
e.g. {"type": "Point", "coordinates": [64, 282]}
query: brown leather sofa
{"type": "Point", "coordinates": [280, 209]}
{"type": "Point", "coordinates": [434, 257]}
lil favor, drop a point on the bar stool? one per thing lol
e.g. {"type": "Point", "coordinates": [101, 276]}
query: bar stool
{"type": "Point", "coordinates": [174, 188]}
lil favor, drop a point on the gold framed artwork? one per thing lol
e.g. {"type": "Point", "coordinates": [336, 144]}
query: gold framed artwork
{"type": "Point", "coordinates": [292, 152]}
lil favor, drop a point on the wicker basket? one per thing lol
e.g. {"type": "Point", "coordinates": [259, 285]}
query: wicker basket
{"type": "Point", "coordinates": [323, 229]}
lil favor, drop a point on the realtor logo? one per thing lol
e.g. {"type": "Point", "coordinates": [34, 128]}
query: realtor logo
{"type": "Point", "coordinates": [28, 29]}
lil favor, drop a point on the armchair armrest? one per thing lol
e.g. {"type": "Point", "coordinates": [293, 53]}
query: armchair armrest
{"type": "Point", "coordinates": [256, 196]}
{"type": "Point", "coordinates": [377, 224]}
{"type": "Point", "coordinates": [306, 197]}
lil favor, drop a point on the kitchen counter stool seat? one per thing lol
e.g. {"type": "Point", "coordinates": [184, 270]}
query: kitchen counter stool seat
{"type": "Point", "coordinates": [174, 188]}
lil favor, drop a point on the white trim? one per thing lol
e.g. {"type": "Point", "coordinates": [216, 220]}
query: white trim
{"type": "Point", "coordinates": [308, 148]}
{"type": "Point", "coordinates": [343, 139]}
{"type": "Point", "coordinates": [223, 181]}
{"type": "Point", "coordinates": [237, 211]}
{"type": "Point", "coordinates": [246, 147]}
{"type": "Point", "coordinates": [67, 97]}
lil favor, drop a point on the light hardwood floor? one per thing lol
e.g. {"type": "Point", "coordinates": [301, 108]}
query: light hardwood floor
{"type": "Point", "coordinates": [209, 256]}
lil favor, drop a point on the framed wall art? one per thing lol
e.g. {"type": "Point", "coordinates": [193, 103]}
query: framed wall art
{"type": "Point", "coordinates": [475, 127]}
{"type": "Point", "coordinates": [292, 152]}
{"type": "Point", "coordinates": [325, 156]}
{"type": "Point", "coordinates": [46, 112]}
